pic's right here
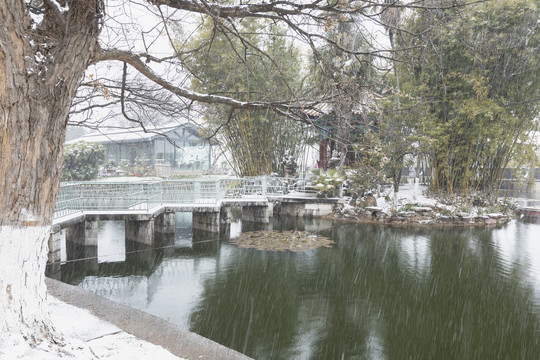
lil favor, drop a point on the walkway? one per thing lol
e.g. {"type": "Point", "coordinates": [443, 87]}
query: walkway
{"type": "Point", "coordinates": [148, 207]}
{"type": "Point", "coordinates": [147, 197]}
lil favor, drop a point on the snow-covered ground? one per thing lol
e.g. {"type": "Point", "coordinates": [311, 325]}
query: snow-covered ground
{"type": "Point", "coordinates": [415, 194]}
{"type": "Point", "coordinates": [408, 193]}
{"type": "Point", "coordinates": [88, 337]}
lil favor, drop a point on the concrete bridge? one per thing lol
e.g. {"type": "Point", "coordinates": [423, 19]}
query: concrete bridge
{"type": "Point", "coordinates": [148, 208]}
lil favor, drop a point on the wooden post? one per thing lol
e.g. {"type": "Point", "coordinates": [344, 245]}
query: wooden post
{"type": "Point", "coordinates": [323, 154]}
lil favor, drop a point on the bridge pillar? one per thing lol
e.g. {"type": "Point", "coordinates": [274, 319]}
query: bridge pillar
{"type": "Point", "coordinates": [307, 209]}
{"type": "Point", "coordinates": [84, 233]}
{"type": "Point", "coordinates": [207, 221]}
{"type": "Point", "coordinates": [164, 229]}
{"type": "Point", "coordinates": [164, 223]}
{"type": "Point", "coordinates": [292, 209]}
{"type": "Point", "coordinates": [55, 243]}
{"type": "Point", "coordinates": [225, 215]}
{"type": "Point", "coordinates": [140, 231]}
{"type": "Point", "coordinates": [259, 214]}
{"type": "Point", "coordinates": [82, 243]}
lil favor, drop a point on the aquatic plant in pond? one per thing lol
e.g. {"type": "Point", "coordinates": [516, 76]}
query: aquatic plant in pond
{"type": "Point", "coordinates": [281, 240]}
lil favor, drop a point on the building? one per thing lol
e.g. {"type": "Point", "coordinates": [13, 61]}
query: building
{"type": "Point", "coordinates": [173, 147]}
{"type": "Point", "coordinates": [363, 118]}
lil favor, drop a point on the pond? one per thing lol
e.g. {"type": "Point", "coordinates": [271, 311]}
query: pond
{"type": "Point", "coordinates": [378, 293]}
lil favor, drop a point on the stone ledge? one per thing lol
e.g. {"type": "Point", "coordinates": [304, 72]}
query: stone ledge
{"type": "Point", "coordinates": [422, 216]}
{"type": "Point", "coordinates": [143, 325]}
{"type": "Point", "coordinates": [305, 199]}
{"type": "Point", "coordinates": [421, 209]}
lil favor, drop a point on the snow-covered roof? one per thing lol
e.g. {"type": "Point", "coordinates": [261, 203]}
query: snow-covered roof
{"type": "Point", "coordinates": [319, 110]}
{"type": "Point", "coordinates": [366, 105]}
{"type": "Point", "coordinates": [136, 134]}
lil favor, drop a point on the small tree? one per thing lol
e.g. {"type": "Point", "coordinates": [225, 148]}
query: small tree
{"type": "Point", "coordinates": [368, 170]}
{"type": "Point", "coordinates": [81, 161]}
{"type": "Point", "coordinates": [400, 132]}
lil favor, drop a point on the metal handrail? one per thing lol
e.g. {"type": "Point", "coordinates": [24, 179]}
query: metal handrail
{"type": "Point", "coordinates": [144, 195]}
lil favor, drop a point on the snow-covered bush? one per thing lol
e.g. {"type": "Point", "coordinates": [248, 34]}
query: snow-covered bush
{"type": "Point", "coordinates": [367, 172]}
{"type": "Point", "coordinates": [328, 183]}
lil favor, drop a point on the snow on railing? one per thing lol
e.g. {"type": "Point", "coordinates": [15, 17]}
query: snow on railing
{"type": "Point", "coordinates": [145, 195]}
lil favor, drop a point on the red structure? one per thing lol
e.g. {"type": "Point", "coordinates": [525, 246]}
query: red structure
{"type": "Point", "coordinates": [363, 118]}
{"type": "Point", "coordinates": [325, 121]}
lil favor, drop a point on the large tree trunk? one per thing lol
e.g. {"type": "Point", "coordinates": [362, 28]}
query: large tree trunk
{"type": "Point", "coordinates": [40, 69]}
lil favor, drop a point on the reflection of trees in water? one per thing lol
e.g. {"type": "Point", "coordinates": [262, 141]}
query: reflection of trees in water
{"type": "Point", "coordinates": [381, 293]}
{"type": "Point", "coordinates": [474, 309]}
{"type": "Point", "coordinates": [463, 308]}
{"type": "Point", "coordinates": [250, 304]}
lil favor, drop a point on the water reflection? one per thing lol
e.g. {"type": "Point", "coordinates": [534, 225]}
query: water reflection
{"type": "Point", "coordinates": [519, 250]}
{"type": "Point", "coordinates": [379, 293]}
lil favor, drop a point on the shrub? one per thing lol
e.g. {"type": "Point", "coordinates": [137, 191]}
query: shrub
{"type": "Point", "coordinates": [328, 183]}
{"type": "Point", "coordinates": [81, 161]}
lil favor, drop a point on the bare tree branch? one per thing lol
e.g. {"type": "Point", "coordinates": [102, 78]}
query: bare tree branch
{"type": "Point", "coordinates": [135, 61]}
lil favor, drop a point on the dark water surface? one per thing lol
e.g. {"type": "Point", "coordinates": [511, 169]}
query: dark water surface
{"type": "Point", "coordinates": [379, 293]}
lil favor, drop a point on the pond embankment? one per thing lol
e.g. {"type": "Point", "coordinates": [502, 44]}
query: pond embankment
{"type": "Point", "coordinates": [410, 206]}
{"type": "Point", "coordinates": [421, 214]}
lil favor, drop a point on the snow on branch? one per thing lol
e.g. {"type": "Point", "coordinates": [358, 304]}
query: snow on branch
{"type": "Point", "coordinates": [281, 8]}
{"type": "Point", "coordinates": [135, 61]}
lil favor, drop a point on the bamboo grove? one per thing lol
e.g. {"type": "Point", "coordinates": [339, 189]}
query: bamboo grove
{"type": "Point", "coordinates": [470, 86]}
{"type": "Point", "coordinates": [465, 80]}
{"type": "Point", "coordinates": [253, 141]}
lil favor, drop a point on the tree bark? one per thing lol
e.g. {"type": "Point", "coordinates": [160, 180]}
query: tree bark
{"type": "Point", "coordinates": [41, 66]}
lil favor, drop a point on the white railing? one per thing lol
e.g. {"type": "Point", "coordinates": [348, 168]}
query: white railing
{"type": "Point", "coordinates": [145, 195]}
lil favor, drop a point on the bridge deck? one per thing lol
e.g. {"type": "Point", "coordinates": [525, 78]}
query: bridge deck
{"type": "Point", "coordinates": [182, 195]}
{"type": "Point", "coordinates": [146, 200]}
